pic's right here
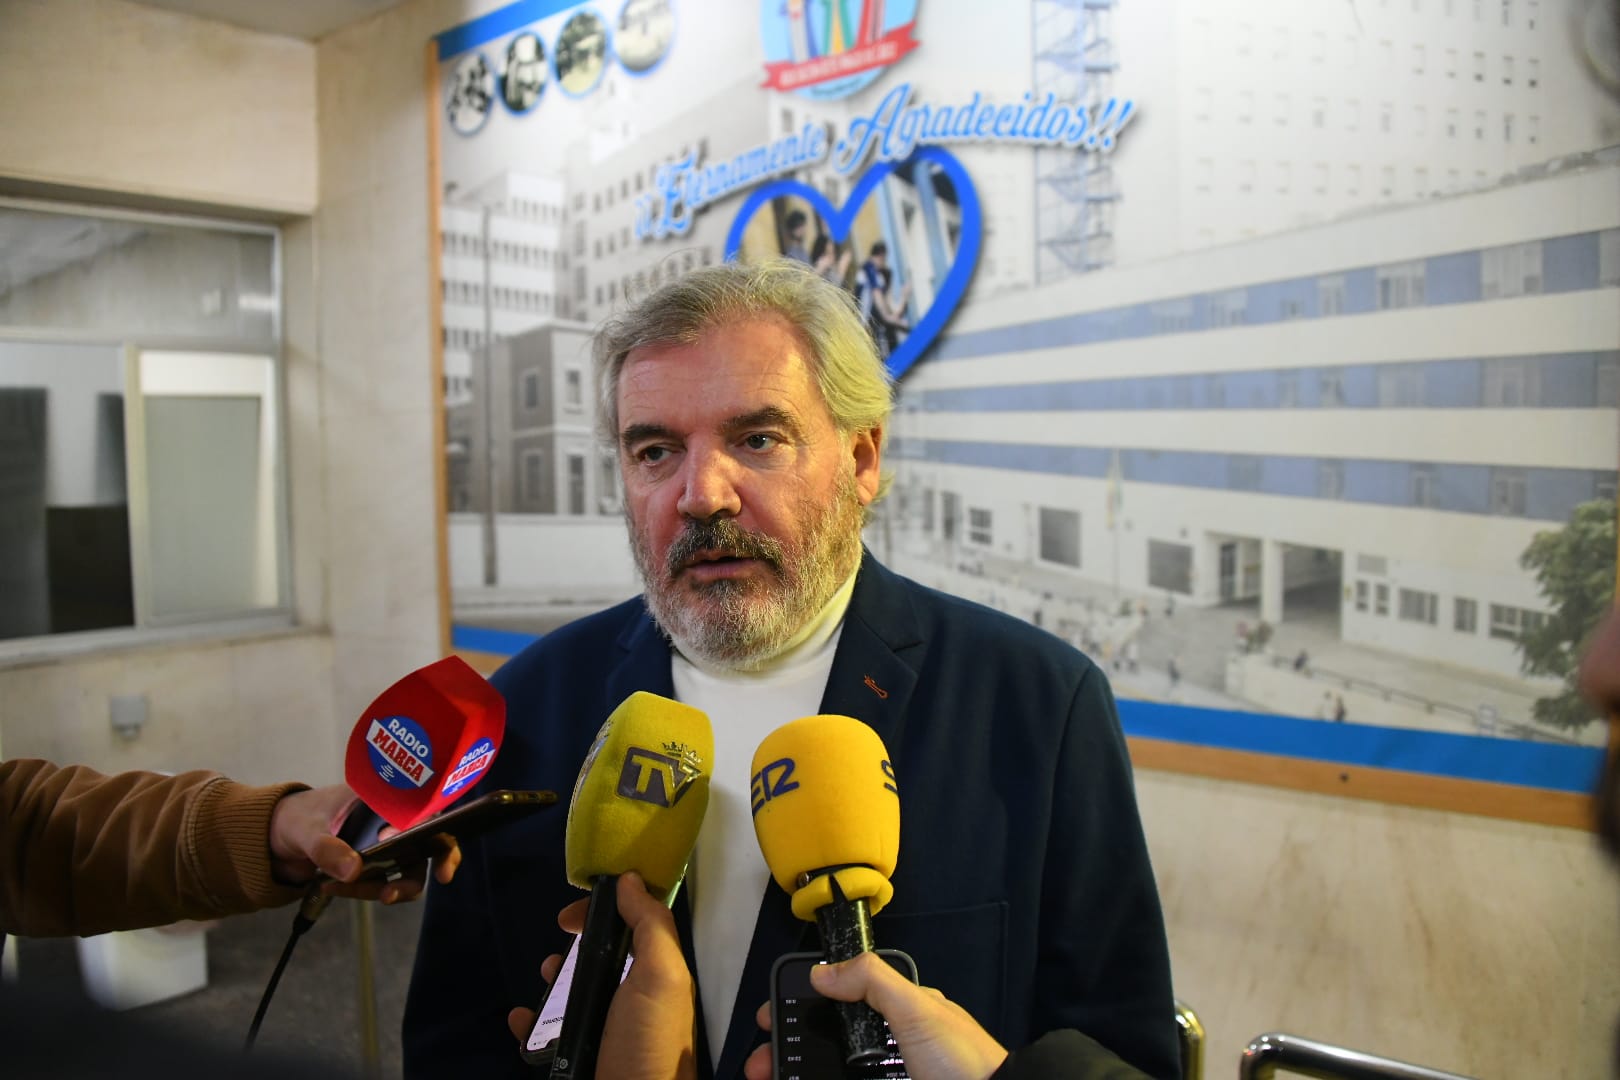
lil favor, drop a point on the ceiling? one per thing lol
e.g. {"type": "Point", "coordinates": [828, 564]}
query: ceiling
{"type": "Point", "coordinates": [307, 19]}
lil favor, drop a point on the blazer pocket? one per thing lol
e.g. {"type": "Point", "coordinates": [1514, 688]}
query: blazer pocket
{"type": "Point", "coordinates": [960, 952]}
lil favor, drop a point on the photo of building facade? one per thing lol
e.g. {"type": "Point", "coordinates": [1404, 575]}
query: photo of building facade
{"type": "Point", "coordinates": [1251, 406]}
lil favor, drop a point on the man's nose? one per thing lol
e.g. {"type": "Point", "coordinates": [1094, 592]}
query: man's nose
{"type": "Point", "coordinates": [710, 487]}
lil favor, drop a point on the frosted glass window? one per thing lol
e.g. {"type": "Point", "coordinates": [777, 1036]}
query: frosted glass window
{"type": "Point", "coordinates": [139, 487]}
{"type": "Point", "coordinates": [206, 540]}
{"type": "Point", "coordinates": [132, 276]}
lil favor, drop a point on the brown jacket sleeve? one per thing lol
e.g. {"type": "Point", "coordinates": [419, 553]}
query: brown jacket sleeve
{"type": "Point", "coordinates": [83, 853]}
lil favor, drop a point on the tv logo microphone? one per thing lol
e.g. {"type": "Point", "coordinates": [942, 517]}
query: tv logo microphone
{"type": "Point", "coordinates": [662, 779]}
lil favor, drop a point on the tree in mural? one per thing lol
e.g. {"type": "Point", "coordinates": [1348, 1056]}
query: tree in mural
{"type": "Point", "coordinates": [1575, 566]}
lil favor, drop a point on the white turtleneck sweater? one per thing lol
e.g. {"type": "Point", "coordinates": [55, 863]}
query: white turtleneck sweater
{"type": "Point", "coordinates": [728, 874]}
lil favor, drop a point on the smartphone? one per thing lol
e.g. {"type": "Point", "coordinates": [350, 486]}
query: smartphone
{"type": "Point", "coordinates": [387, 858]}
{"type": "Point", "coordinates": [541, 1044]}
{"type": "Point", "coordinates": [807, 1040]}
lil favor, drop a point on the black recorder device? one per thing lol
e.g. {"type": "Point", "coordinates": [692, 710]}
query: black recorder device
{"type": "Point", "coordinates": [807, 1041]}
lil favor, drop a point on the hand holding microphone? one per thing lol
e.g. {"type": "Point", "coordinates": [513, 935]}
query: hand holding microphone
{"type": "Point", "coordinates": [637, 807]}
{"type": "Point", "coordinates": [648, 1032]}
{"type": "Point", "coordinates": [425, 741]}
{"type": "Point", "coordinates": [420, 746]}
{"type": "Point", "coordinates": [304, 842]}
{"type": "Point", "coordinates": [827, 815]}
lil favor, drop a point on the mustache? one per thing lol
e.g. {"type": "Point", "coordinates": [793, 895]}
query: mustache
{"type": "Point", "coordinates": [725, 537]}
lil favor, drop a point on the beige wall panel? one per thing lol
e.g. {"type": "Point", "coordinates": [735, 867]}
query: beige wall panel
{"type": "Point", "coordinates": [376, 281]}
{"type": "Point", "coordinates": [259, 710]}
{"type": "Point", "coordinates": [1464, 943]}
{"type": "Point", "coordinates": [111, 95]}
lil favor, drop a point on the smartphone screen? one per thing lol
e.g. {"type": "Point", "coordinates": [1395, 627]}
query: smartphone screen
{"type": "Point", "coordinates": [539, 1046]}
{"type": "Point", "coordinates": [807, 1041]}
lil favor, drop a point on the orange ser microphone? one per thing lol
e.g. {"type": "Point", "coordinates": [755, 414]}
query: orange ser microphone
{"type": "Point", "coordinates": [827, 815]}
{"type": "Point", "coordinates": [637, 805]}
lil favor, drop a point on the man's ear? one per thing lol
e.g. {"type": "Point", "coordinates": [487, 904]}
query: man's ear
{"type": "Point", "coordinates": [867, 450]}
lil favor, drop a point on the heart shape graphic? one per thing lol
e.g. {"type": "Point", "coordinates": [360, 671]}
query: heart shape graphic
{"type": "Point", "coordinates": [839, 220]}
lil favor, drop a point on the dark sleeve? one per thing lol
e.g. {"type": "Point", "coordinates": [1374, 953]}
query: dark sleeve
{"type": "Point", "coordinates": [456, 1006]}
{"type": "Point", "coordinates": [85, 853]}
{"type": "Point", "coordinates": [1065, 1055]}
{"type": "Point", "coordinates": [1105, 964]}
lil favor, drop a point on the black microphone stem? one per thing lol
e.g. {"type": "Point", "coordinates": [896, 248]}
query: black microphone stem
{"type": "Point", "coordinates": [603, 946]}
{"type": "Point", "coordinates": [846, 932]}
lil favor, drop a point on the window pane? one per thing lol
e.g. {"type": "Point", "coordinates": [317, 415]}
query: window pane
{"type": "Point", "coordinates": [1170, 566]}
{"type": "Point", "coordinates": [1465, 615]}
{"type": "Point", "coordinates": [132, 277]}
{"type": "Point", "coordinates": [1060, 536]}
{"type": "Point", "coordinates": [979, 527]}
{"type": "Point", "coordinates": [212, 543]}
{"type": "Point", "coordinates": [64, 512]}
{"type": "Point", "coordinates": [576, 484]}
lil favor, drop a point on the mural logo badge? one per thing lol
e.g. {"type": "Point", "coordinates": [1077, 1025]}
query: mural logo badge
{"type": "Point", "coordinates": [829, 49]}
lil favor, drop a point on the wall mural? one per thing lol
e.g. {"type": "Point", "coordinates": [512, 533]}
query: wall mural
{"type": "Point", "coordinates": [1267, 353]}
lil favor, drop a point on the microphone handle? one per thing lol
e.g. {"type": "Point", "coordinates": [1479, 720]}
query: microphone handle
{"type": "Point", "coordinates": [603, 945]}
{"type": "Point", "coordinates": [846, 932]}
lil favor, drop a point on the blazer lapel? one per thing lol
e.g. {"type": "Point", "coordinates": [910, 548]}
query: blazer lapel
{"type": "Point", "coordinates": [874, 671]}
{"type": "Point", "coordinates": [644, 665]}
{"type": "Point", "coordinates": [872, 682]}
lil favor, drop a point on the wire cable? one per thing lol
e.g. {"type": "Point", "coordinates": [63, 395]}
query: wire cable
{"type": "Point", "coordinates": [315, 901]}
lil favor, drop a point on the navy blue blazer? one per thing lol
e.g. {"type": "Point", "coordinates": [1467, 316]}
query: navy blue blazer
{"type": "Point", "coordinates": [1023, 889]}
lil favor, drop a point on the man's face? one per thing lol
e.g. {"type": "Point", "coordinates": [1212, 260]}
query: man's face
{"type": "Point", "coordinates": [744, 500]}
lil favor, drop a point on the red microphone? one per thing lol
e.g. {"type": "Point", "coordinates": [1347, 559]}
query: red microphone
{"type": "Point", "coordinates": [425, 741]}
{"type": "Point", "coordinates": [415, 750]}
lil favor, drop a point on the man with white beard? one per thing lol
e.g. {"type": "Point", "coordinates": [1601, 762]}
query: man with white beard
{"type": "Point", "coordinates": [748, 408]}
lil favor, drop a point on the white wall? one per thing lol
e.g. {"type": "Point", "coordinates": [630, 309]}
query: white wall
{"type": "Point", "coordinates": [531, 547]}
{"type": "Point", "coordinates": [113, 96]}
{"type": "Point", "coordinates": [375, 381]}
{"type": "Point", "coordinates": [258, 709]}
{"type": "Point", "coordinates": [1482, 947]}
{"type": "Point", "coordinates": [110, 95]}
{"type": "Point", "coordinates": [1569, 203]}
{"type": "Point", "coordinates": [1230, 144]}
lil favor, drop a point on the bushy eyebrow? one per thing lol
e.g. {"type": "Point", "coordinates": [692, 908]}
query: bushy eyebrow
{"type": "Point", "coordinates": [769, 416]}
{"type": "Point", "coordinates": [640, 433]}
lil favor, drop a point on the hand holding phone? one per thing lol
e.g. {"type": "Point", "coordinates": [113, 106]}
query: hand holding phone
{"type": "Point", "coordinates": [650, 1024]}
{"type": "Point", "coordinates": [807, 1039]}
{"type": "Point", "coordinates": [391, 857]}
{"type": "Point", "coordinates": [935, 1038]}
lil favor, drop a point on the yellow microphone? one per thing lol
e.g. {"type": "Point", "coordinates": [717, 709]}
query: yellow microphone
{"type": "Point", "coordinates": [827, 815]}
{"type": "Point", "coordinates": [637, 805]}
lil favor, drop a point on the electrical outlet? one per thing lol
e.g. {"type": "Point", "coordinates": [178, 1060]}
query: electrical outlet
{"type": "Point", "coordinates": [128, 714]}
